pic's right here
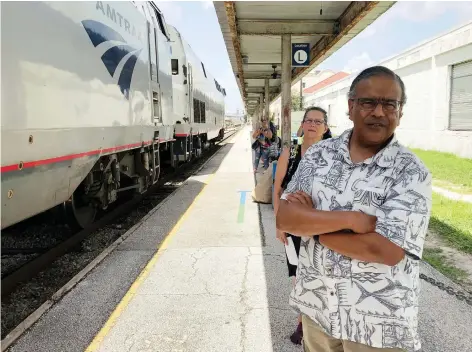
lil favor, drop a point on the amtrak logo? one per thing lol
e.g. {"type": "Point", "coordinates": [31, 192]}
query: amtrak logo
{"type": "Point", "coordinates": [100, 33]}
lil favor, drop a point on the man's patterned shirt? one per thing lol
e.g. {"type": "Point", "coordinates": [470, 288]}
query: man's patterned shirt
{"type": "Point", "coordinates": [369, 303]}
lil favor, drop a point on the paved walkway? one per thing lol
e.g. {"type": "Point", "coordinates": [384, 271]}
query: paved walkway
{"type": "Point", "coordinates": [453, 195]}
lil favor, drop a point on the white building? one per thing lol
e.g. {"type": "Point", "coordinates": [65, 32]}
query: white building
{"type": "Point", "coordinates": [438, 79]}
{"type": "Point", "coordinates": [312, 78]}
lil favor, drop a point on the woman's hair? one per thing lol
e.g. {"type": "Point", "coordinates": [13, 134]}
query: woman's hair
{"type": "Point", "coordinates": [327, 134]}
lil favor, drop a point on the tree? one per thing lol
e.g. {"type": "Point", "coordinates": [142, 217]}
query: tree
{"type": "Point", "coordinates": [296, 102]}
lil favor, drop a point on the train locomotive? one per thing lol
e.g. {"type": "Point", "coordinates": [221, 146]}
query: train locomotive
{"type": "Point", "coordinates": [97, 97]}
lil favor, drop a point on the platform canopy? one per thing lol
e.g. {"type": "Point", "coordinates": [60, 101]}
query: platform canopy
{"type": "Point", "coordinates": [252, 31]}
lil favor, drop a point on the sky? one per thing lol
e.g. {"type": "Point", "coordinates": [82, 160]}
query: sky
{"type": "Point", "coordinates": [404, 25]}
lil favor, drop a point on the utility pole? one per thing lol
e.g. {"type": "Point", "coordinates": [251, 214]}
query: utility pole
{"type": "Point", "coordinates": [266, 100]}
{"type": "Point", "coordinates": [286, 89]}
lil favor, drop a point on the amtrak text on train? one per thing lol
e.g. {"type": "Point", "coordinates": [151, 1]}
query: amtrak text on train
{"type": "Point", "coordinates": [116, 17]}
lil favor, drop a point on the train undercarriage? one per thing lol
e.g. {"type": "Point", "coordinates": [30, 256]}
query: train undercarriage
{"type": "Point", "coordinates": [125, 174]}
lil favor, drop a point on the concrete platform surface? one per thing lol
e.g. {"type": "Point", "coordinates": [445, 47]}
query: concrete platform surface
{"type": "Point", "coordinates": [208, 291]}
{"type": "Point", "coordinates": [218, 283]}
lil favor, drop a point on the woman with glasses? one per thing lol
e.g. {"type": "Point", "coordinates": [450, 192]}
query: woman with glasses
{"type": "Point", "coordinates": [313, 128]}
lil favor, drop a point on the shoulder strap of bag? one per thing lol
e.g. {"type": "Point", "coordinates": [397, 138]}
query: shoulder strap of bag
{"type": "Point", "coordinates": [274, 132]}
{"type": "Point", "coordinates": [293, 161]}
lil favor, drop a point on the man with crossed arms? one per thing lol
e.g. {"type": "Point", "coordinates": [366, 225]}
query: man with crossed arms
{"type": "Point", "coordinates": [361, 203]}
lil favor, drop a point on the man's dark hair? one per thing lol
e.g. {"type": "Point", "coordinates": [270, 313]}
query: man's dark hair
{"type": "Point", "coordinates": [373, 72]}
{"type": "Point", "coordinates": [327, 134]}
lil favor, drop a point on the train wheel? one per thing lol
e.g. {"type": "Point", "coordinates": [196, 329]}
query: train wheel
{"type": "Point", "coordinates": [80, 214]}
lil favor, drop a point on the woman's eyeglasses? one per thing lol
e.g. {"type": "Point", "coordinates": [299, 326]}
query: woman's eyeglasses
{"type": "Point", "coordinates": [316, 122]}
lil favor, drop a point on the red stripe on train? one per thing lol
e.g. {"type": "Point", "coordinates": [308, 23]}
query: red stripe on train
{"type": "Point", "coordinates": [59, 159]}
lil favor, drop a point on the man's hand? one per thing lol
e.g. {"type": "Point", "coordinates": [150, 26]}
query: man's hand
{"type": "Point", "coordinates": [282, 237]}
{"type": "Point", "coordinates": [300, 198]}
{"type": "Point", "coordinates": [362, 223]}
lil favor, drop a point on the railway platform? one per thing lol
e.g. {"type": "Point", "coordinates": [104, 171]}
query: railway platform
{"type": "Point", "coordinates": [204, 272]}
{"type": "Point", "coordinates": [218, 281]}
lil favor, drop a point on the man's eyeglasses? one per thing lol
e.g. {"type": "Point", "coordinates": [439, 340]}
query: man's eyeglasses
{"type": "Point", "coordinates": [370, 104]}
{"type": "Point", "coordinates": [316, 122]}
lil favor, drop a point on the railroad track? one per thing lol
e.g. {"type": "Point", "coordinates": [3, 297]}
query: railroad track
{"type": "Point", "coordinates": [44, 257]}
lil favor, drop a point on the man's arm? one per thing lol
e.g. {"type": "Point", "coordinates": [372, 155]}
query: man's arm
{"type": "Point", "coordinates": [300, 219]}
{"type": "Point", "coordinates": [368, 247]}
{"type": "Point", "coordinates": [402, 223]}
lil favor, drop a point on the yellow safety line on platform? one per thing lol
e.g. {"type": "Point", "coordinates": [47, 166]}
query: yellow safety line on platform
{"type": "Point", "coordinates": [95, 344]}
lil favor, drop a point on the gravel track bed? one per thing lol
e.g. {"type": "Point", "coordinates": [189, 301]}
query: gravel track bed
{"type": "Point", "coordinates": [28, 297]}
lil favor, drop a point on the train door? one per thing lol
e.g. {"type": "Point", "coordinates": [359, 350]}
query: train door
{"type": "Point", "coordinates": [154, 68]}
{"type": "Point", "coordinates": [164, 59]}
{"type": "Point", "coordinates": [190, 92]}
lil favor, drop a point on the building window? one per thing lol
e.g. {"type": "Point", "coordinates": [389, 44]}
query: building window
{"type": "Point", "coordinates": [460, 106]}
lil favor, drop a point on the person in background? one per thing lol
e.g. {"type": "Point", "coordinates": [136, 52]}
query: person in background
{"type": "Point", "coordinates": [314, 128]}
{"type": "Point", "coordinates": [362, 203]}
{"type": "Point", "coordinates": [263, 136]}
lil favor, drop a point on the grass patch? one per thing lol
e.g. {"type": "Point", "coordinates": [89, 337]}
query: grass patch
{"type": "Point", "coordinates": [453, 172]}
{"type": "Point", "coordinates": [439, 261]}
{"type": "Point", "coordinates": [452, 220]}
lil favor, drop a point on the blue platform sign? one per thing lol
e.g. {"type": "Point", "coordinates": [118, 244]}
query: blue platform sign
{"type": "Point", "coordinates": [300, 54]}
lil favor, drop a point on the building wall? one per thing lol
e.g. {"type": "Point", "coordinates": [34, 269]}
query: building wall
{"type": "Point", "coordinates": [309, 80]}
{"type": "Point", "coordinates": [426, 72]}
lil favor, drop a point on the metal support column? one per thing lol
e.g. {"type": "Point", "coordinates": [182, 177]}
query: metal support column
{"type": "Point", "coordinates": [255, 118]}
{"type": "Point", "coordinates": [286, 89]}
{"type": "Point", "coordinates": [301, 94]}
{"type": "Point", "coordinates": [261, 106]}
{"type": "Point", "coordinates": [267, 112]}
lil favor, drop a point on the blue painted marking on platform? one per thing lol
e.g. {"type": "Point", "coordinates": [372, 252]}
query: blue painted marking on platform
{"type": "Point", "coordinates": [242, 203]}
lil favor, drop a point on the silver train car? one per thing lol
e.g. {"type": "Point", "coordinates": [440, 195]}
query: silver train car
{"type": "Point", "coordinates": [96, 98]}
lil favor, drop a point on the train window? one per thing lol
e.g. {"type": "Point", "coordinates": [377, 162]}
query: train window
{"type": "Point", "coordinates": [160, 20]}
{"type": "Point", "coordinates": [202, 112]}
{"type": "Point", "coordinates": [204, 72]}
{"type": "Point", "coordinates": [175, 66]}
{"type": "Point", "coordinates": [196, 110]}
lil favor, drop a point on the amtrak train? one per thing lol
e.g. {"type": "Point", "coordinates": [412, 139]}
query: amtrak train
{"type": "Point", "coordinates": [96, 98]}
